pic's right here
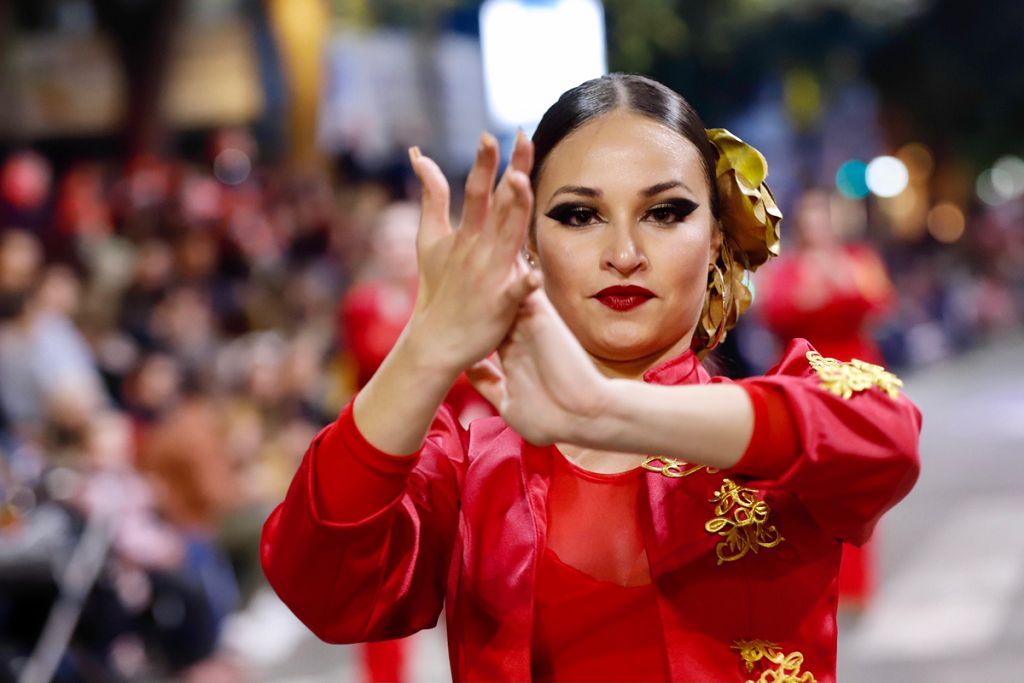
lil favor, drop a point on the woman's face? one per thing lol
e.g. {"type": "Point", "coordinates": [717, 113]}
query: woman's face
{"type": "Point", "coordinates": [624, 201]}
{"type": "Point", "coordinates": [814, 221]}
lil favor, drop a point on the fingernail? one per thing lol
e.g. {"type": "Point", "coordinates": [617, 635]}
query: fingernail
{"type": "Point", "coordinates": [414, 153]}
{"type": "Point", "coordinates": [488, 141]}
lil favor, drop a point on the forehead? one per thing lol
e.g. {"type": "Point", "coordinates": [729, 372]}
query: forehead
{"type": "Point", "coordinates": [622, 151]}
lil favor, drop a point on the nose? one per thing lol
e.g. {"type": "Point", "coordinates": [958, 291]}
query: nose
{"type": "Point", "coordinates": [623, 252]}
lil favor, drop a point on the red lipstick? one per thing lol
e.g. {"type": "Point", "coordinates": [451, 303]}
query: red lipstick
{"type": "Point", "coordinates": [624, 297]}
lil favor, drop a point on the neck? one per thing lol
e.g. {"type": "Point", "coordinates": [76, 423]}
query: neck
{"type": "Point", "coordinates": [634, 368]}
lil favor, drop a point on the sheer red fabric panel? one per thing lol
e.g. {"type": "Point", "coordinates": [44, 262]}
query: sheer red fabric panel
{"type": "Point", "coordinates": [596, 613]}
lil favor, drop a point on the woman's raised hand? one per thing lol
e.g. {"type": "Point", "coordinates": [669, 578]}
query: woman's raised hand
{"type": "Point", "coordinates": [472, 279]}
{"type": "Point", "coordinates": [542, 383]}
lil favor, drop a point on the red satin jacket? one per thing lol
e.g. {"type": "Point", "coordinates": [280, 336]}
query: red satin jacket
{"type": "Point", "coordinates": [744, 561]}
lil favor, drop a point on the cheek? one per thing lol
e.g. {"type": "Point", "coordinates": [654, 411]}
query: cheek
{"type": "Point", "coordinates": [563, 262]}
{"type": "Point", "coordinates": [684, 261]}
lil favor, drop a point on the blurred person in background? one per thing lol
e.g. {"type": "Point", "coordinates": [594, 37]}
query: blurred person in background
{"type": "Point", "coordinates": [184, 454]}
{"type": "Point", "coordinates": [170, 590]}
{"type": "Point", "coordinates": [373, 313]}
{"type": "Point", "coordinates": [824, 288]}
{"type": "Point", "coordinates": [560, 548]}
{"type": "Point", "coordinates": [47, 367]}
{"type": "Point", "coordinates": [832, 293]}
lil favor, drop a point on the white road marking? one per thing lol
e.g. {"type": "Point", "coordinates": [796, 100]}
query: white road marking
{"type": "Point", "coordinates": [427, 657]}
{"type": "Point", "coordinates": [954, 598]}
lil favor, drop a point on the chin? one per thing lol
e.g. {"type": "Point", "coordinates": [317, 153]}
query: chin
{"type": "Point", "coordinates": [626, 341]}
{"type": "Point", "coordinates": [621, 346]}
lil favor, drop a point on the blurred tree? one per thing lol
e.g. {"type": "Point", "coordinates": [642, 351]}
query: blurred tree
{"type": "Point", "coordinates": [642, 30]}
{"type": "Point", "coordinates": [719, 53]}
{"type": "Point", "coordinates": [952, 78]}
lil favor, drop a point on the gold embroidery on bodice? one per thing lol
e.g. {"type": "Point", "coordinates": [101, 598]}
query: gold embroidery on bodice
{"type": "Point", "coordinates": [742, 519]}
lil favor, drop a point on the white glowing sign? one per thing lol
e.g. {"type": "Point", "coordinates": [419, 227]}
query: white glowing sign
{"type": "Point", "coordinates": [534, 50]}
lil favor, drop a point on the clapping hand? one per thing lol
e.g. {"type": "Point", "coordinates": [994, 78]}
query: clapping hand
{"type": "Point", "coordinates": [473, 279]}
{"type": "Point", "coordinates": [477, 294]}
{"type": "Point", "coordinates": [542, 382]}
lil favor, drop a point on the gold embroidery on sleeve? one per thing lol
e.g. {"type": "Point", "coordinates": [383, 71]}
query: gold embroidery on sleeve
{"type": "Point", "coordinates": [843, 379]}
{"type": "Point", "coordinates": [673, 468]}
{"type": "Point", "coordinates": [742, 519]}
{"type": "Point", "coordinates": [787, 667]}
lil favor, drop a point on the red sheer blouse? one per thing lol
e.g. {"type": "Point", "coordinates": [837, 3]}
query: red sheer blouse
{"type": "Point", "coordinates": [596, 616]}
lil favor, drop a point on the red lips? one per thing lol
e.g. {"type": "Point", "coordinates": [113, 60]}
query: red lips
{"type": "Point", "coordinates": [624, 297]}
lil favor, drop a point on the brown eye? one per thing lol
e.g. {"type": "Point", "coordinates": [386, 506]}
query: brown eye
{"type": "Point", "coordinates": [671, 212]}
{"type": "Point", "coordinates": [573, 215]}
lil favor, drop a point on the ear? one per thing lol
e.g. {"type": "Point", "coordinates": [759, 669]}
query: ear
{"type": "Point", "coordinates": [530, 246]}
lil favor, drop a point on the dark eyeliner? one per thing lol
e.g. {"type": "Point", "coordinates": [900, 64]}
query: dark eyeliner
{"type": "Point", "coordinates": [682, 207]}
{"type": "Point", "coordinates": [563, 213]}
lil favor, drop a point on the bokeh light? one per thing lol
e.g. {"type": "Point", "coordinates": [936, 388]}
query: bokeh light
{"type": "Point", "coordinates": [886, 176]}
{"type": "Point", "coordinates": [906, 213]}
{"type": "Point", "coordinates": [986, 189]}
{"type": "Point", "coordinates": [802, 96]}
{"type": "Point", "coordinates": [232, 166]}
{"type": "Point", "coordinates": [918, 159]}
{"type": "Point", "coordinates": [946, 222]}
{"type": "Point", "coordinates": [851, 179]}
{"type": "Point", "coordinates": [1008, 177]}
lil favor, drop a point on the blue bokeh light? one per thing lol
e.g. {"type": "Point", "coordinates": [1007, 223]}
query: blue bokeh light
{"type": "Point", "coordinates": [851, 179]}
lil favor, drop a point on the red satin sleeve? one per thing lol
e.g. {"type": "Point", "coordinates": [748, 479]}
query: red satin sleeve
{"type": "Point", "coordinates": [360, 547]}
{"type": "Point", "coordinates": [773, 445]}
{"type": "Point", "coordinates": [352, 477]}
{"type": "Point", "coordinates": [856, 456]}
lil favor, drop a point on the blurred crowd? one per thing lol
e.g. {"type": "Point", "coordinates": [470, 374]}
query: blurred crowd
{"type": "Point", "coordinates": [169, 345]}
{"type": "Point", "coordinates": [171, 339]}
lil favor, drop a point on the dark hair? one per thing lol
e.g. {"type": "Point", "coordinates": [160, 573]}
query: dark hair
{"type": "Point", "coordinates": [634, 93]}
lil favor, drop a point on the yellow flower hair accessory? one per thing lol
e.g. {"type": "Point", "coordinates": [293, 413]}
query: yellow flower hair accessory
{"type": "Point", "coordinates": [748, 212]}
{"type": "Point", "coordinates": [750, 221]}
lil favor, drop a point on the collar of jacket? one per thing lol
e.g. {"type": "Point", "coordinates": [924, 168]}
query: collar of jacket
{"type": "Point", "coordinates": [682, 369]}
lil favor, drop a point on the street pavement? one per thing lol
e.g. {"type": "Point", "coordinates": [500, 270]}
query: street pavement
{"type": "Point", "coordinates": [950, 602]}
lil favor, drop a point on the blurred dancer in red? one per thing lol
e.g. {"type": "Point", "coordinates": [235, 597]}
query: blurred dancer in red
{"type": "Point", "coordinates": [372, 315]}
{"type": "Point", "coordinates": [627, 516]}
{"type": "Point", "coordinates": [829, 292]}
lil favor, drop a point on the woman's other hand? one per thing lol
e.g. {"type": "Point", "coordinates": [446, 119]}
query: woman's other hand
{"type": "Point", "coordinates": [473, 279]}
{"type": "Point", "coordinates": [542, 382]}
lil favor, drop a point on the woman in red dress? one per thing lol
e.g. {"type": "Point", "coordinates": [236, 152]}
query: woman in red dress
{"type": "Point", "coordinates": [626, 517]}
{"type": "Point", "coordinates": [372, 315]}
{"type": "Point", "coordinates": [828, 292]}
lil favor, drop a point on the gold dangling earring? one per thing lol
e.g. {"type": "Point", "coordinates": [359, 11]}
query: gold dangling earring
{"type": "Point", "coordinates": [712, 319]}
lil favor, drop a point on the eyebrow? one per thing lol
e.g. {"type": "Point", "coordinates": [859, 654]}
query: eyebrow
{"type": "Point", "coordinates": [661, 187]}
{"type": "Point", "coordinates": [647, 192]}
{"type": "Point", "coordinates": [577, 189]}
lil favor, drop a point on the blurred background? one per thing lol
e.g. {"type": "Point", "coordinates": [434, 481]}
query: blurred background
{"type": "Point", "coordinates": [206, 247]}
